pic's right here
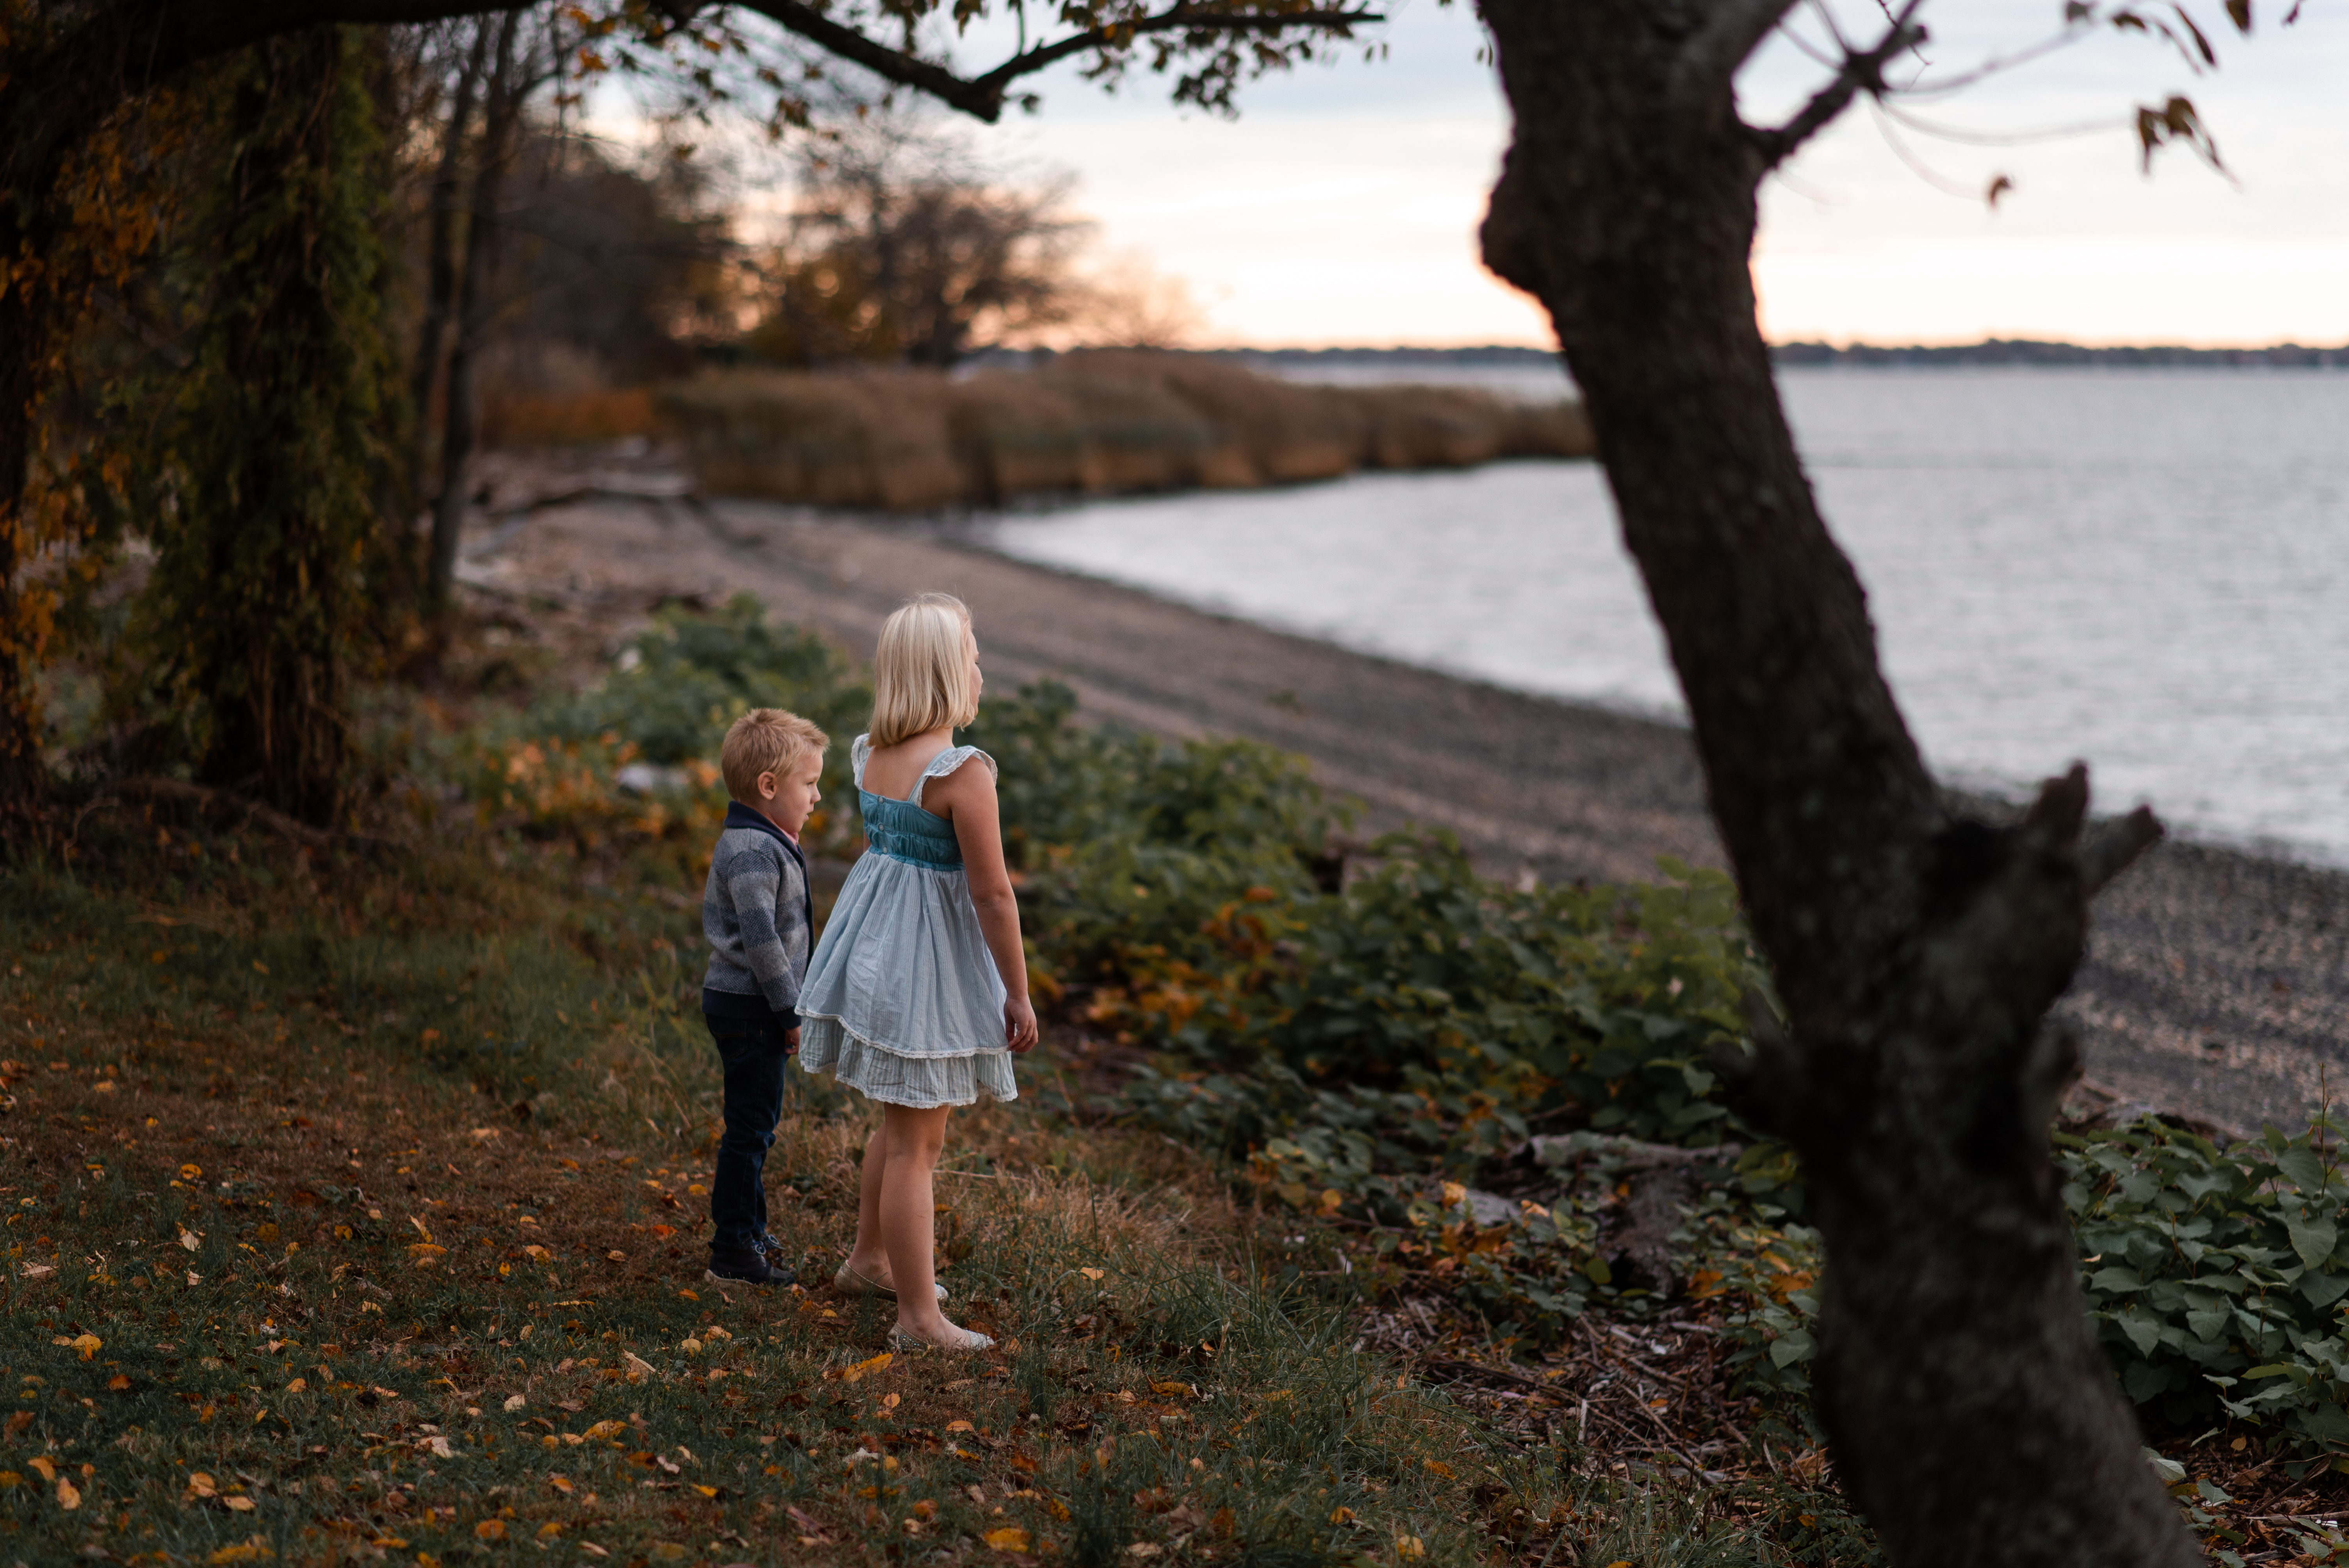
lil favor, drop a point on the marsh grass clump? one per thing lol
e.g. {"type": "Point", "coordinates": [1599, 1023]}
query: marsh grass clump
{"type": "Point", "coordinates": [1095, 422]}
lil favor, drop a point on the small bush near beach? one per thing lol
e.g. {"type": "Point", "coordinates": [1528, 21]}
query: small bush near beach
{"type": "Point", "coordinates": [1359, 1209]}
{"type": "Point", "coordinates": [1092, 422]}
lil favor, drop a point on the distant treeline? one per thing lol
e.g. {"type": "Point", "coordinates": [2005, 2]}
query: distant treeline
{"type": "Point", "coordinates": [2027, 351]}
{"type": "Point", "coordinates": [1095, 422]}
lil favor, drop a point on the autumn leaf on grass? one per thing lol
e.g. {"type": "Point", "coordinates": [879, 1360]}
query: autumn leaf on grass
{"type": "Point", "coordinates": [604, 1429]}
{"type": "Point", "coordinates": [434, 1444]}
{"type": "Point", "coordinates": [1010, 1538]}
{"type": "Point", "coordinates": [69, 1496]}
{"type": "Point", "coordinates": [424, 1253]}
{"type": "Point", "coordinates": [252, 1551]}
{"type": "Point", "coordinates": [863, 1368]}
{"type": "Point", "coordinates": [538, 1254]}
{"type": "Point", "coordinates": [46, 1466]}
{"type": "Point", "coordinates": [490, 1530]}
{"type": "Point", "coordinates": [638, 1368]}
{"type": "Point", "coordinates": [1439, 1467]}
{"type": "Point", "coordinates": [87, 1344]}
{"type": "Point", "coordinates": [1170, 1390]}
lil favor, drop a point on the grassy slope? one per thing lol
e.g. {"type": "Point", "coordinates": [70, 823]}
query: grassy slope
{"type": "Point", "coordinates": [343, 1166]}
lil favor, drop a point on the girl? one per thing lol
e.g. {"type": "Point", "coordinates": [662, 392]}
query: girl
{"type": "Point", "coordinates": [918, 994]}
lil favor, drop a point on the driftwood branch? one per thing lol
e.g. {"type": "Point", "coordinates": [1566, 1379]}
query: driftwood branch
{"type": "Point", "coordinates": [1861, 72]}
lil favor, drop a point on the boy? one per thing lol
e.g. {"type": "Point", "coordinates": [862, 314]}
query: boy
{"type": "Point", "coordinates": [758, 916]}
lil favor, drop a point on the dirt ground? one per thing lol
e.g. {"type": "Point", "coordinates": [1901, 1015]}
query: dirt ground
{"type": "Point", "coordinates": [2217, 983]}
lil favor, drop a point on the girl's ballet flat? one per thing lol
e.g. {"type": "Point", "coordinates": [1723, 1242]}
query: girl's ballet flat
{"type": "Point", "coordinates": [971, 1340]}
{"type": "Point", "coordinates": [848, 1282]}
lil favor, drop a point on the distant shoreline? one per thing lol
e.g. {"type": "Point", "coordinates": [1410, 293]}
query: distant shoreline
{"type": "Point", "coordinates": [1990, 351]}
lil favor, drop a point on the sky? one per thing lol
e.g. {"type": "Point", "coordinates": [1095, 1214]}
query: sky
{"type": "Point", "coordinates": [1341, 207]}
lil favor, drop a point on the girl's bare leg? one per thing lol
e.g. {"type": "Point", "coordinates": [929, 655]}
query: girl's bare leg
{"type": "Point", "coordinates": [869, 1258]}
{"type": "Point", "coordinates": [913, 1140]}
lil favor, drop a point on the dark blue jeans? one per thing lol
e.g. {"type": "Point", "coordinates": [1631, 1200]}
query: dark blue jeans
{"type": "Point", "coordinates": [756, 1056]}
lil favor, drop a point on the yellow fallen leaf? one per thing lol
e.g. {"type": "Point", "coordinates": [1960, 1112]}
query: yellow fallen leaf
{"type": "Point", "coordinates": [87, 1344]}
{"type": "Point", "coordinates": [68, 1495]}
{"type": "Point", "coordinates": [485, 1134]}
{"type": "Point", "coordinates": [606, 1429]}
{"type": "Point", "coordinates": [515, 1402]}
{"type": "Point", "coordinates": [638, 1368]}
{"type": "Point", "coordinates": [1170, 1390]}
{"type": "Point", "coordinates": [957, 1426]}
{"type": "Point", "coordinates": [690, 1345]}
{"type": "Point", "coordinates": [888, 1401]}
{"type": "Point", "coordinates": [1454, 1195]}
{"type": "Point", "coordinates": [420, 1227]}
{"type": "Point", "coordinates": [1409, 1547]}
{"type": "Point", "coordinates": [1010, 1538]}
{"type": "Point", "coordinates": [490, 1530]}
{"type": "Point", "coordinates": [1091, 1273]}
{"type": "Point", "coordinates": [296, 1386]}
{"type": "Point", "coordinates": [120, 1382]}
{"type": "Point", "coordinates": [249, 1552]}
{"type": "Point", "coordinates": [1440, 1468]}
{"type": "Point", "coordinates": [560, 1483]}
{"type": "Point", "coordinates": [706, 1490]}
{"type": "Point", "coordinates": [190, 1172]}
{"type": "Point", "coordinates": [1342, 1516]}
{"type": "Point", "coordinates": [45, 1465]}
{"type": "Point", "coordinates": [242, 1504]}
{"type": "Point", "coordinates": [549, 1530]}
{"type": "Point", "coordinates": [865, 1368]}
{"type": "Point", "coordinates": [538, 1254]}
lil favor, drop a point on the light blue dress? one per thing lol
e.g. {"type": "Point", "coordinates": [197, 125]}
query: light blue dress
{"type": "Point", "coordinates": [902, 1001]}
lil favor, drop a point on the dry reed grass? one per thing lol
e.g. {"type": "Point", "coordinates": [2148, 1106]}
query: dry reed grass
{"type": "Point", "coordinates": [1094, 423]}
{"type": "Point", "coordinates": [570, 419]}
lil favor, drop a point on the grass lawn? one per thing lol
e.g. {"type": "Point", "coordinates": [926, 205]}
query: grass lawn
{"type": "Point", "coordinates": [356, 1211]}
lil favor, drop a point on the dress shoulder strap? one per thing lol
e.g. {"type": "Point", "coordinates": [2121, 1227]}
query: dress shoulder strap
{"type": "Point", "coordinates": [945, 762]}
{"type": "Point", "coordinates": [860, 751]}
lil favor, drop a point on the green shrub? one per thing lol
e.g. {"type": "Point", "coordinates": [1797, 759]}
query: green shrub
{"type": "Point", "coordinates": [2216, 1277]}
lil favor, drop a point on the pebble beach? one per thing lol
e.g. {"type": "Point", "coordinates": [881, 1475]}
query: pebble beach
{"type": "Point", "coordinates": [2217, 983]}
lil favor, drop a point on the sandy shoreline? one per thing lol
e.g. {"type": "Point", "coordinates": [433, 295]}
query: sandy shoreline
{"type": "Point", "coordinates": [2217, 983]}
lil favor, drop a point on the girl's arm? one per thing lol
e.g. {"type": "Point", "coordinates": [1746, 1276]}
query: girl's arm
{"type": "Point", "coordinates": [966, 797]}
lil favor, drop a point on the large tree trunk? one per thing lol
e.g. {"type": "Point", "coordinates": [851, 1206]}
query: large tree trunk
{"type": "Point", "coordinates": [1917, 952]}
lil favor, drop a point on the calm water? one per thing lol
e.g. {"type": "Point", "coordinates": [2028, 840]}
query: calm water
{"type": "Point", "coordinates": [2146, 569]}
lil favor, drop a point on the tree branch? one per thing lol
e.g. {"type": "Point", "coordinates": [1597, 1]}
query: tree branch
{"type": "Point", "coordinates": [2110, 848]}
{"type": "Point", "coordinates": [982, 97]}
{"type": "Point", "coordinates": [1861, 72]}
{"type": "Point", "coordinates": [1708, 62]}
{"type": "Point", "coordinates": [1175, 18]}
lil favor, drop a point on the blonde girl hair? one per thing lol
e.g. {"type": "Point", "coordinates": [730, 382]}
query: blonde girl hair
{"type": "Point", "coordinates": [921, 677]}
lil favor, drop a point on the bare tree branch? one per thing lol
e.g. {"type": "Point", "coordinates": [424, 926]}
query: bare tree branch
{"type": "Point", "coordinates": [2110, 848]}
{"type": "Point", "coordinates": [982, 97]}
{"type": "Point", "coordinates": [1709, 60]}
{"type": "Point", "coordinates": [1862, 72]}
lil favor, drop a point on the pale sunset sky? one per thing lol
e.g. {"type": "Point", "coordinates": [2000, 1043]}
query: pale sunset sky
{"type": "Point", "coordinates": [1341, 206]}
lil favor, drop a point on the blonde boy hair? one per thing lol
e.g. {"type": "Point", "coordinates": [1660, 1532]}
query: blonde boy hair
{"type": "Point", "coordinates": [766, 740]}
{"type": "Point", "coordinates": [920, 678]}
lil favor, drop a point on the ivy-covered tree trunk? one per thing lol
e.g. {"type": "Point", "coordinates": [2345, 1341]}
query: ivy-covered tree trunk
{"type": "Point", "coordinates": [1917, 950]}
{"type": "Point", "coordinates": [254, 589]}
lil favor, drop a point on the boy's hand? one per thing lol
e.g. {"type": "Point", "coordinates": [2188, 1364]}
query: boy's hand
{"type": "Point", "coordinates": [1018, 1025]}
{"type": "Point", "coordinates": [792, 1040]}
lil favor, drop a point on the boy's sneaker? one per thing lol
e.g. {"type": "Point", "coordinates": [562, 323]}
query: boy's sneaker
{"type": "Point", "coordinates": [777, 1259]}
{"type": "Point", "coordinates": [746, 1265]}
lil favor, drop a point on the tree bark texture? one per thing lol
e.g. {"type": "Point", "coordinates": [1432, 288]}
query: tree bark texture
{"type": "Point", "coordinates": [1917, 952]}
{"type": "Point", "coordinates": [439, 255]}
{"type": "Point", "coordinates": [254, 581]}
{"type": "Point", "coordinates": [462, 425]}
